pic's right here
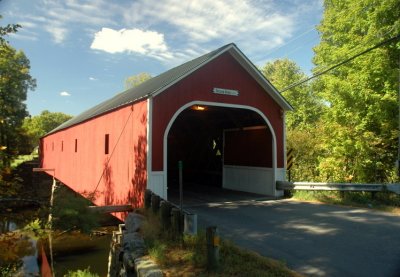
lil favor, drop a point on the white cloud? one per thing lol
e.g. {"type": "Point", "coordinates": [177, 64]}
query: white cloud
{"type": "Point", "coordinates": [189, 28]}
{"type": "Point", "coordinates": [65, 93]}
{"type": "Point", "coordinates": [27, 32]}
{"type": "Point", "coordinates": [93, 79]}
{"type": "Point", "coordinates": [58, 33]}
{"type": "Point", "coordinates": [27, 24]}
{"type": "Point", "coordinates": [131, 40]}
{"type": "Point", "coordinates": [59, 18]}
{"type": "Point", "coordinates": [194, 27]}
{"type": "Point", "coordinates": [25, 36]}
{"type": "Point", "coordinates": [207, 20]}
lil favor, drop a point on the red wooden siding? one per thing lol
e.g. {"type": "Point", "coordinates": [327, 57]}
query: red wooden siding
{"type": "Point", "coordinates": [222, 72]}
{"type": "Point", "coordinates": [255, 144]}
{"type": "Point", "coordinates": [79, 156]}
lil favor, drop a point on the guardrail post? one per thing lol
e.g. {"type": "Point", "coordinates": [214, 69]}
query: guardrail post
{"type": "Point", "coordinates": [190, 224]}
{"type": "Point", "coordinates": [287, 193]}
{"type": "Point", "coordinates": [176, 222]}
{"type": "Point", "coordinates": [213, 242]}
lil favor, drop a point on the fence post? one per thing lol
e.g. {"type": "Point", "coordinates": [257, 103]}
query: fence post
{"type": "Point", "coordinates": [147, 199]}
{"type": "Point", "coordinates": [165, 214]}
{"type": "Point", "coordinates": [155, 203]}
{"type": "Point", "coordinates": [176, 222]}
{"type": "Point", "coordinates": [213, 242]}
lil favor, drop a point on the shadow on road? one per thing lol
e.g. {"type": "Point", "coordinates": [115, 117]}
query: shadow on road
{"type": "Point", "coordinates": [313, 239]}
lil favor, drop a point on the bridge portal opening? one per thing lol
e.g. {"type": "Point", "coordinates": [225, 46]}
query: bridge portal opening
{"type": "Point", "coordinates": [219, 147]}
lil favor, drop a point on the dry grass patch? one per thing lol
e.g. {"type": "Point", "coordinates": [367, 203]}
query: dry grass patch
{"type": "Point", "coordinates": [188, 257]}
{"type": "Point", "coordinates": [180, 263]}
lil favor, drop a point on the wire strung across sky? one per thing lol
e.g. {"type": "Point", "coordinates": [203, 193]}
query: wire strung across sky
{"type": "Point", "coordinates": [341, 63]}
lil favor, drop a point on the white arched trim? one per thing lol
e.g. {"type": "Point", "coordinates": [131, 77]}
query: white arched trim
{"type": "Point", "coordinates": [216, 104]}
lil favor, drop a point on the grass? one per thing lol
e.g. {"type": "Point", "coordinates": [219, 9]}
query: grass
{"type": "Point", "coordinates": [188, 256]}
{"type": "Point", "coordinates": [383, 201]}
{"type": "Point", "coordinates": [23, 158]}
{"type": "Point", "coordinates": [81, 273]}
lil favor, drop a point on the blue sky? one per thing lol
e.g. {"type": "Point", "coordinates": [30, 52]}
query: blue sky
{"type": "Point", "coordinates": [82, 51]}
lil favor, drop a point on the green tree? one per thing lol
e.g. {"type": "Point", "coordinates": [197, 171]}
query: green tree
{"type": "Point", "coordinates": [307, 107]}
{"type": "Point", "coordinates": [9, 29]}
{"type": "Point", "coordinates": [37, 126]}
{"type": "Point", "coordinates": [135, 80]}
{"type": "Point", "coordinates": [70, 212]}
{"type": "Point", "coordinates": [361, 118]}
{"type": "Point", "coordinates": [15, 81]}
{"type": "Point", "coordinates": [303, 124]}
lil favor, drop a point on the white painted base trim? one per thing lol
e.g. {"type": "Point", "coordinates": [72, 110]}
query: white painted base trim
{"type": "Point", "coordinates": [157, 184]}
{"type": "Point", "coordinates": [280, 175]}
{"type": "Point", "coordinates": [241, 178]}
{"type": "Point", "coordinates": [249, 179]}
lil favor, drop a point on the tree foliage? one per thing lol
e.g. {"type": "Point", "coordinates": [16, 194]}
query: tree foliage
{"type": "Point", "coordinates": [345, 123]}
{"type": "Point", "coordinates": [14, 246]}
{"type": "Point", "coordinates": [303, 124]}
{"type": "Point", "coordinates": [37, 126]}
{"type": "Point", "coordinates": [306, 104]}
{"type": "Point", "coordinates": [361, 96]}
{"type": "Point", "coordinates": [8, 29]}
{"type": "Point", "coordinates": [70, 212]}
{"type": "Point", "coordinates": [15, 81]}
{"type": "Point", "coordinates": [135, 80]}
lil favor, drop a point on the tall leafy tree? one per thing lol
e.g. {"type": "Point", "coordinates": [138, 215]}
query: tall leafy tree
{"type": "Point", "coordinates": [361, 118]}
{"type": "Point", "coordinates": [307, 107]}
{"type": "Point", "coordinates": [303, 124]}
{"type": "Point", "coordinates": [135, 80]}
{"type": "Point", "coordinates": [37, 126]}
{"type": "Point", "coordinates": [6, 30]}
{"type": "Point", "coordinates": [15, 81]}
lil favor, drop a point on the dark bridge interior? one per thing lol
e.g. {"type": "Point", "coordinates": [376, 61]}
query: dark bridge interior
{"type": "Point", "coordinates": [196, 138]}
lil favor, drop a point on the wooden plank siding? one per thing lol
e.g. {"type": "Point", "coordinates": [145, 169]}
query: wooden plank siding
{"type": "Point", "coordinates": [80, 161]}
{"type": "Point", "coordinates": [222, 72]}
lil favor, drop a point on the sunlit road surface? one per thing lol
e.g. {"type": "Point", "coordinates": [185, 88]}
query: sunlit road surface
{"type": "Point", "coordinates": [312, 239]}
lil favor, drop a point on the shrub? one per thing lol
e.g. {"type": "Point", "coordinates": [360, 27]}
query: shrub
{"type": "Point", "coordinates": [70, 212]}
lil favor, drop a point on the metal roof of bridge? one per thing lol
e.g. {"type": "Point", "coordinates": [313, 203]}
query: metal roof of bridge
{"type": "Point", "coordinates": [163, 81]}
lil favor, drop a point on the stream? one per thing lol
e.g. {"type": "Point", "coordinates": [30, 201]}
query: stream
{"type": "Point", "coordinates": [71, 251]}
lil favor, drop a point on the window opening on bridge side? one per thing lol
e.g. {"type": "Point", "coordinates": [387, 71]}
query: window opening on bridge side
{"type": "Point", "coordinates": [106, 143]}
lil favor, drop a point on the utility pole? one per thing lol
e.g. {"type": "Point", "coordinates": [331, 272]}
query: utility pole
{"type": "Point", "coordinates": [398, 146]}
{"type": "Point", "coordinates": [180, 166]}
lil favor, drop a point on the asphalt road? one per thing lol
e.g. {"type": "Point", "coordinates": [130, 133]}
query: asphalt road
{"type": "Point", "coordinates": [312, 239]}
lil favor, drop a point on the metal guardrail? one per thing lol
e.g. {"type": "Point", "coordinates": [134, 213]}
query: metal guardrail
{"type": "Point", "coordinates": [284, 185]}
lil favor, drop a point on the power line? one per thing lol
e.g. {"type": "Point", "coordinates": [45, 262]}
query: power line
{"type": "Point", "coordinates": [273, 50]}
{"type": "Point", "coordinates": [341, 63]}
{"type": "Point", "coordinates": [112, 153]}
{"type": "Point", "coordinates": [357, 48]}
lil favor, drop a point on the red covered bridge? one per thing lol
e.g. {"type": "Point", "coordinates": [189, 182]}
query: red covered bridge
{"type": "Point", "coordinates": [216, 113]}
